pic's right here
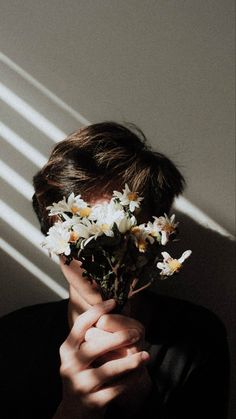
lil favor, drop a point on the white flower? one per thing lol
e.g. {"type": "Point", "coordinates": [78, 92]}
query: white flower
{"type": "Point", "coordinates": [82, 229]}
{"type": "Point", "coordinates": [169, 266]}
{"type": "Point", "coordinates": [107, 212]}
{"type": "Point", "coordinates": [125, 223]}
{"type": "Point", "coordinates": [141, 237]}
{"type": "Point", "coordinates": [128, 198]}
{"type": "Point", "coordinates": [153, 230]}
{"type": "Point", "coordinates": [101, 227]}
{"type": "Point", "coordinates": [73, 204]}
{"type": "Point", "coordinates": [105, 216]}
{"type": "Point", "coordinates": [166, 226]}
{"type": "Point", "coordinates": [57, 240]}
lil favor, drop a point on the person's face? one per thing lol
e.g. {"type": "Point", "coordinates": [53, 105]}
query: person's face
{"type": "Point", "coordinates": [79, 285]}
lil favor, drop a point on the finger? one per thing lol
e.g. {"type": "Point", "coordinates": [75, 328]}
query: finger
{"type": "Point", "coordinates": [94, 379]}
{"type": "Point", "coordinates": [89, 351]}
{"type": "Point", "coordinates": [93, 333]}
{"type": "Point", "coordinates": [85, 321]}
{"type": "Point", "coordinates": [101, 398]}
{"type": "Point", "coordinates": [115, 322]}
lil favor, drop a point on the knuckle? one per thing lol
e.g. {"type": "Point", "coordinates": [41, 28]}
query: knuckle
{"type": "Point", "coordinates": [79, 389]}
{"type": "Point", "coordinates": [65, 371]}
{"type": "Point", "coordinates": [63, 350]}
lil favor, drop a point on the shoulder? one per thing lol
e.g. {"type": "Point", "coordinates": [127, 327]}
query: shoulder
{"type": "Point", "coordinates": [30, 360]}
{"type": "Point", "coordinates": [33, 312]}
{"type": "Point", "coordinates": [190, 328]}
{"type": "Point", "coordinates": [33, 320]}
{"type": "Point", "coordinates": [190, 364]}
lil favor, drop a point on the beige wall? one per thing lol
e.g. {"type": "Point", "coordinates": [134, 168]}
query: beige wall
{"type": "Point", "coordinates": [167, 66]}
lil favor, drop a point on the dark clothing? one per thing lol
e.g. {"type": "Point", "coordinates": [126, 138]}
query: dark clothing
{"type": "Point", "coordinates": [189, 365]}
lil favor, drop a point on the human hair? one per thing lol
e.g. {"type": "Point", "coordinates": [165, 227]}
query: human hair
{"type": "Point", "coordinates": [99, 158]}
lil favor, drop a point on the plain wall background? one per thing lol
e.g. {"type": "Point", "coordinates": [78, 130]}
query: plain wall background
{"type": "Point", "coordinates": [167, 66]}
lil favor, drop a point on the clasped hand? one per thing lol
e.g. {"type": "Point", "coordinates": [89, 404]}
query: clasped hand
{"type": "Point", "coordinates": [102, 360]}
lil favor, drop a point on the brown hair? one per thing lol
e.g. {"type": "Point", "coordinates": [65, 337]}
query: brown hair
{"type": "Point", "coordinates": [99, 158]}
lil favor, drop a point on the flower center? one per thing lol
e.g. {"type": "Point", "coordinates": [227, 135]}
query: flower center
{"type": "Point", "coordinates": [104, 227]}
{"type": "Point", "coordinates": [169, 228]}
{"type": "Point", "coordinates": [74, 209]}
{"type": "Point", "coordinates": [174, 265]}
{"type": "Point", "coordinates": [132, 196]}
{"type": "Point", "coordinates": [84, 212]}
{"type": "Point", "coordinates": [73, 236]}
{"type": "Point", "coordinates": [135, 230]}
{"type": "Point", "coordinates": [142, 245]}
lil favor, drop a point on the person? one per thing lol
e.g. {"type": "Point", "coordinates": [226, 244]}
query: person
{"type": "Point", "coordinates": [161, 357]}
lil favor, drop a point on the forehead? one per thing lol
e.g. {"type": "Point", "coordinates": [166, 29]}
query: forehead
{"type": "Point", "coordinates": [98, 199]}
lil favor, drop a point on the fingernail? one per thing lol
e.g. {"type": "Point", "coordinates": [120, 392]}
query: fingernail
{"type": "Point", "coordinates": [145, 356]}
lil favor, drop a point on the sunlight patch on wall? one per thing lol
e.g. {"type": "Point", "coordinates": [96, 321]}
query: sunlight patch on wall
{"type": "Point", "coordinates": [23, 227]}
{"type": "Point", "coordinates": [186, 207]}
{"type": "Point", "coordinates": [16, 181]}
{"type": "Point", "coordinates": [34, 270]}
{"type": "Point", "coordinates": [22, 146]}
{"type": "Point", "coordinates": [54, 98]}
{"type": "Point", "coordinates": [30, 114]}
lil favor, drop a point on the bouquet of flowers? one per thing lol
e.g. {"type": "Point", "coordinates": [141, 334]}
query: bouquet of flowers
{"type": "Point", "coordinates": [121, 256]}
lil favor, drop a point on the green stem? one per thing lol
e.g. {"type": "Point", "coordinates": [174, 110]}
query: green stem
{"type": "Point", "coordinates": [141, 288]}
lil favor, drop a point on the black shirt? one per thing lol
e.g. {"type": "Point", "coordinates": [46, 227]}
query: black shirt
{"type": "Point", "coordinates": [189, 363]}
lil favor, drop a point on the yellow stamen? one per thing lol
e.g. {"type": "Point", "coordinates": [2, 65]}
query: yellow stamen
{"type": "Point", "coordinates": [104, 227]}
{"type": "Point", "coordinates": [169, 228]}
{"type": "Point", "coordinates": [85, 212]}
{"type": "Point", "coordinates": [135, 230]}
{"type": "Point", "coordinates": [132, 196]}
{"type": "Point", "coordinates": [142, 246]}
{"type": "Point", "coordinates": [174, 265]}
{"type": "Point", "coordinates": [73, 236]}
{"type": "Point", "coordinates": [74, 209]}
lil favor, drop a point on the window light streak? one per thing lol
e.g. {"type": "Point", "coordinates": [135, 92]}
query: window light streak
{"type": "Point", "coordinates": [16, 181]}
{"type": "Point", "coordinates": [181, 204]}
{"type": "Point", "coordinates": [30, 114]}
{"type": "Point", "coordinates": [33, 269]}
{"type": "Point", "coordinates": [186, 207]}
{"type": "Point", "coordinates": [54, 98]}
{"type": "Point", "coordinates": [22, 146]}
{"type": "Point", "coordinates": [23, 227]}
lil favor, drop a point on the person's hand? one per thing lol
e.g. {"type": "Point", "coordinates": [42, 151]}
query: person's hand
{"type": "Point", "coordinates": [137, 384]}
{"type": "Point", "coordinates": [87, 390]}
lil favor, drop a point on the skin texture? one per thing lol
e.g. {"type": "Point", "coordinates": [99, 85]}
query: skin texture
{"type": "Point", "coordinates": [103, 358]}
